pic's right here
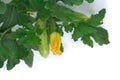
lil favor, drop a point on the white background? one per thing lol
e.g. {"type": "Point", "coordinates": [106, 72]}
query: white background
{"type": "Point", "coordinates": [78, 62]}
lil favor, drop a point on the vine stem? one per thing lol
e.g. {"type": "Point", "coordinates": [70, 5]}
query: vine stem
{"type": "Point", "coordinates": [4, 33]}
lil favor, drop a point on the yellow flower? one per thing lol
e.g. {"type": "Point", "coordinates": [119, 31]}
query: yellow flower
{"type": "Point", "coordinates": [55, 40]}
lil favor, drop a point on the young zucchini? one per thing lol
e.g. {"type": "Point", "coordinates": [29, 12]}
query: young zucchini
{"type": "Point", "coordinates": [44, 46]}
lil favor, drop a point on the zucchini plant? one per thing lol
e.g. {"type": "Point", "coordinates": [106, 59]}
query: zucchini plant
{"type": "Point", "coordinates": [41, 24]}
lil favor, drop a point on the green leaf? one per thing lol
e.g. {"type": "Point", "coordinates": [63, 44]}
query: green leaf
{"type": "Point", "coordinates": [76, 34]}
{"type": "Point", "coordinates": [29, 59]}
{"type": "Point", "coordinates": [87, 40]}
{"type": "Point", "coordinates": [50, 4]}
{"type": "Point", "coordinates": [60, 30]}
{"type": "Point", "coordinates": [28, 36]}
{"type": "Point", "coordinates": [101, 36]}
{"type": "Point", "coordinates": [82, 29]}
{"type": "Point", "coordinates": [3, 52]}
{"type": "Point", "coordinates": [15, 52]}
{"type": "Point", "coordinates": [39, 5]}
{"type": "Point", "coordinates": [30, 39]}
{"type": "Point", "coordinates": [44, 14]}
{"type": "Point", "coordinates": [9, 18]}
{"type": "Point", "coordinates": [33, 6]}
{"type": "Point", "coordinates": [73, 2]}
{"type": "Point", "coordinates": [2, 7]}
{"type": "Point", "coordinates": [12, 50]}
{"type": "Point", "coordinates": [24, 19]}
{"type": "Point", "coordinates": [68, 15]}
{"type": "Point", "coordinates": [69, 27]}
{"type": "Point", "coordinates": [95, 20]}
{"type": "Point", "coordinates": [1, 63]}
{"type": "Point", "coordinates": [20, 4]}
{"type": "Point", "coordinates": [28, 5]}
{"type": "Point", "coordinates": [90, 1]}
{"type": "Point", "coordinates": [36, 4]}
{"type": "Point", "coordinates": [63, 13]}
{"type": "Point", "coordinates": [19, 33]}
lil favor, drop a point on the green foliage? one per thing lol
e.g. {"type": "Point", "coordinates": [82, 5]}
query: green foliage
{"type": "Point", "coordinates": [89, 28]}
{"type": "Point", "coordinates": [29, 59]}
{"type": "Point", "coordinates": [87, 40]}
{"type": "Point", "coordinates": [67, 14]}
{"type": "Point", "coordinates": [16, 44]}
{"type": "Point", "coordinates": [27, 36]}
{"type": "Point", "coordinates": [75, 2]}
{"type": "Point", "coordinates": [68, 27]}
{"type": "Point", "coordinates": [11, 51]}
{"type": "Point", "coordinates": [62, 48]}
{"type": "Point", "coordinates": [81, 30]}
{"type": "Point", "coordinates": [101, 36]}
{"type": "Point", "coordinates": [11, 17]}
{"type": "Point", "coordinates": [90, 1]}
{"type": "Point", "coordinates": [96, 20]}
{"type": "Point", "coordinates": [2, 7]}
